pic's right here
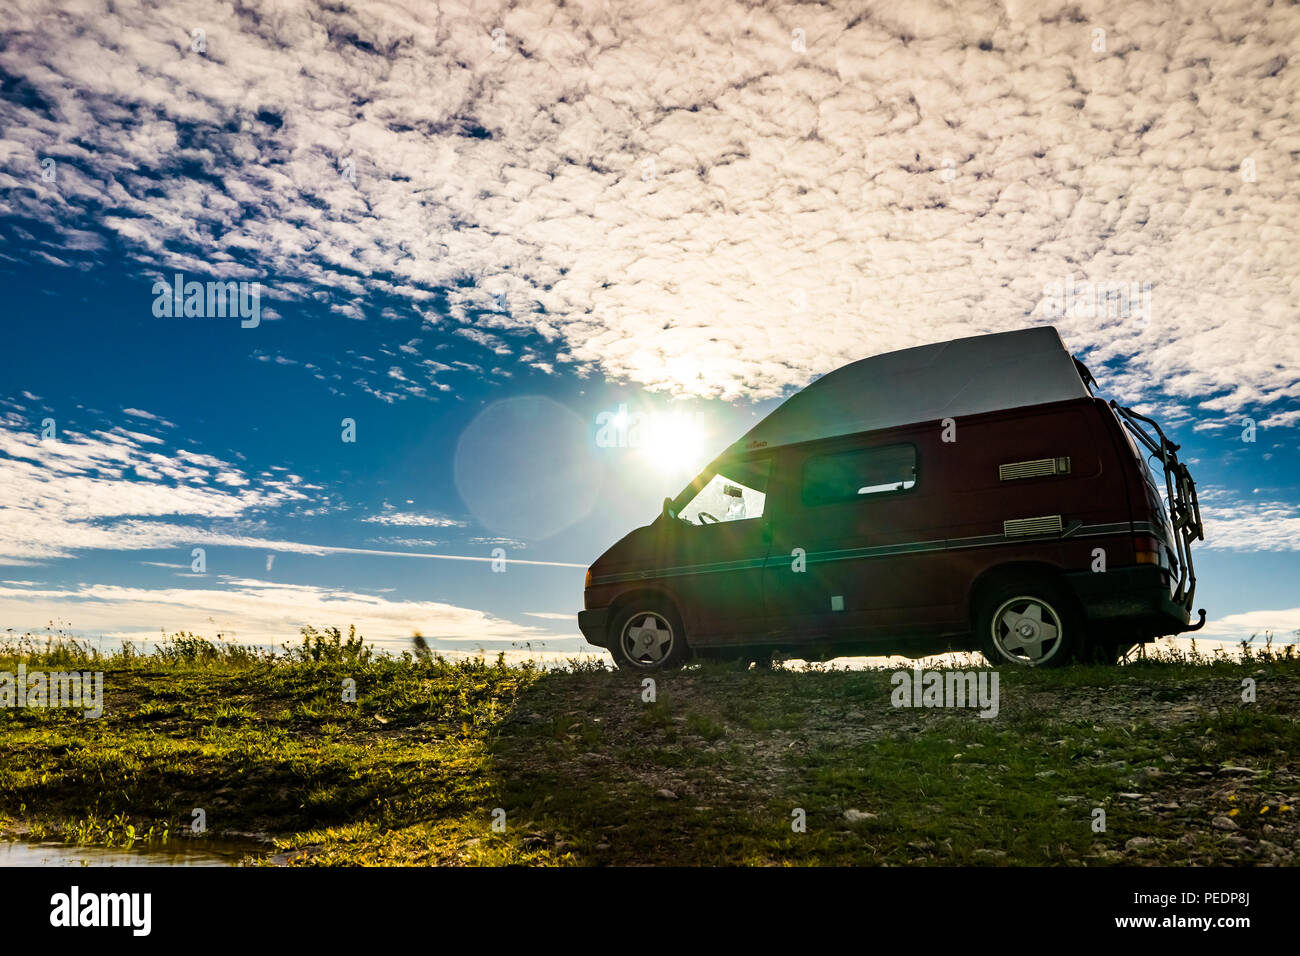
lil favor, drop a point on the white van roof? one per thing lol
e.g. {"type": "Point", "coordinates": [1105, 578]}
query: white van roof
{"type": "Point", "coordinates": [983, 373]}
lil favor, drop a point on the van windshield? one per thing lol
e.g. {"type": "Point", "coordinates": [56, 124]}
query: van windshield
{"type": "Point", "coordinates": [734, 491]}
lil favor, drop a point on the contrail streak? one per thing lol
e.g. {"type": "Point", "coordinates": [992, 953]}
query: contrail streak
{"type": "Point", "coordinates": [458, 557]}
{"type": "Point", "coordinates": [328, 549]}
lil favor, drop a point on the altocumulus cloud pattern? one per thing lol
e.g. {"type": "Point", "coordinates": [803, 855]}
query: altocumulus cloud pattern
{"type": "Point", "coordinates": [703, 198]}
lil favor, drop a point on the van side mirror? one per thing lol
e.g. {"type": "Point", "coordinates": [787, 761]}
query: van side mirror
{"type": "Point", "coordinates": [668, 508]}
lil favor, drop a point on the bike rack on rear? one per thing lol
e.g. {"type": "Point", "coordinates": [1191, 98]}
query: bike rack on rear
{"type": "Point", "coordinates": [1180, 493]}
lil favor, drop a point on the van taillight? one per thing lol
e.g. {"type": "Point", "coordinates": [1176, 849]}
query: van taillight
{"type": "Point", "coordinates": [1147, 549]}
{"type": "Point", "coordinates": [587, 583]}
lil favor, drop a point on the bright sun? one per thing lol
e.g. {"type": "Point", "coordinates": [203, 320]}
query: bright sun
{"type": "Point", "coordinates": [675, 443]}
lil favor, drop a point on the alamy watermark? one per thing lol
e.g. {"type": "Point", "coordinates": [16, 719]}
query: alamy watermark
{"type": "Point", "coordinates": [130, 910]}
{"type": "Point", "coordinates": [631, 429]}
{"type": "Point", "coordinates": [79, 690]}
{"type": "Point", "coordinates": [208, 300]}
{"type": "Point", "coordinates": [1087, 300]}
{"type": "Point", "coordinates": [918, 688]}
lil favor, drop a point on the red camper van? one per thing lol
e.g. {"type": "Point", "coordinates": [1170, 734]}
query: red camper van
{"type": "Point", "coordinates": [970, 495]}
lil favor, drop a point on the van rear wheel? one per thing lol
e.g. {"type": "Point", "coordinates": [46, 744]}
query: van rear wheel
{"type": "Point", "coordinates": [1029, 624]}
{"type": "Point", "coordinates": [648, 636]}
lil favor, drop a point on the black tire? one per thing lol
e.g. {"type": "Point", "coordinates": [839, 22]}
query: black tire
{"type": "Point", "coordinates": [1032, 622]}
{"type": "Point", "coordinates": [641, 652]}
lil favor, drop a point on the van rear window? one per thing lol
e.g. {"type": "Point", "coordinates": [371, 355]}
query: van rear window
{"type": "Point", "coordinates": [852, 475]}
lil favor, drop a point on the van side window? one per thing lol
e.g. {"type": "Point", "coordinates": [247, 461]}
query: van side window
{"type": "Point", "coordinates": [850, 475]}
{"type": "Point", "coordinates": [737, 491]}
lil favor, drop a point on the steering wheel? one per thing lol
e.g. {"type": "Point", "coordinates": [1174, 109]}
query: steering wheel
{"type": "Point", "coordinates": [705, 514]}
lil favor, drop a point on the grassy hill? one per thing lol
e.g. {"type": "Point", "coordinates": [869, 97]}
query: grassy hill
{"type": "Point", "coordinates": [721, 768]}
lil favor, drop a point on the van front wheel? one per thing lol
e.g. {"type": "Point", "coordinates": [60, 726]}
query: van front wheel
{"type": "Point", "coordinates": [1029, 625]}
{"type": "Point", "coordinates": [648, 636]}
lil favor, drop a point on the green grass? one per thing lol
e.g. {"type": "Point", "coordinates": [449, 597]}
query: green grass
{"type": "Point", "coordinates": [714, 771]}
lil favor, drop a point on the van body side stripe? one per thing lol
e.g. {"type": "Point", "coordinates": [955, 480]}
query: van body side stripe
{"type": "Point", "coordinates": [877, 551]}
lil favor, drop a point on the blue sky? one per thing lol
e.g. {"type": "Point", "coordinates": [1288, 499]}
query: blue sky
{"type": "Point", "coordinates": [476, 244]}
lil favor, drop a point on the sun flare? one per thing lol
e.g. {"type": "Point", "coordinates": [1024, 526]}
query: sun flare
{"type": "Point", "coordinates": [675, 442]}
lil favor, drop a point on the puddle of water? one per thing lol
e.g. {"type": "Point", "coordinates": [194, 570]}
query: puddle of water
{"type": "Point", "coordinates": [175, 853]}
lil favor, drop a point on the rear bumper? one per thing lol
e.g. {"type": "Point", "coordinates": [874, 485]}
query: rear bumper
{"type": "Point", "coordinates": [594, 625]}
{"type": "Point", "coordinates": [1135, 595]}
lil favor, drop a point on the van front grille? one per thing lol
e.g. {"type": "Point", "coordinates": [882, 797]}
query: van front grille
{"type": "Point", "coordinates": [1020, 527]}
{"type": "Point", "coordinates": [1034, 469]}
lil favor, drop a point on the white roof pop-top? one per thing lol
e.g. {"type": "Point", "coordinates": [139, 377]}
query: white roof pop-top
{"type": "Point", "coordinates": [983, 373]}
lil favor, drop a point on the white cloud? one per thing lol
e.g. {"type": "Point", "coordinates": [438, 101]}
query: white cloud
{"type": "Point", "coordinates": [1282, 623]}
{"type": "Point", "coordinates": [670, 194]}
{"type": "Point", "coordinates": [508, 542]}
{"type": "Point", "coordinates": [405, 519]}
{"type": "Point", "coordinates": [1250, 525]}
{"type": "Point", "coordinates": [249, 611]}
{"type": "Point", "coordinates": [81, 493]}
{"type": "Point", "coordinates": [407, 542]}
{"type": "Point", "coordinates": [110, 491]}
{"type": "Point", "coordinates": [1285, 419]}
{"type": "Point", "coordinates": [148, 416]}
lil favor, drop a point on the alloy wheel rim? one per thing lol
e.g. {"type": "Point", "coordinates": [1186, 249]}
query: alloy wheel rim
{"type": "Point", "coordinates": [1027, 630]}
{"type": "Point", "coordinates": [647, 639]}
